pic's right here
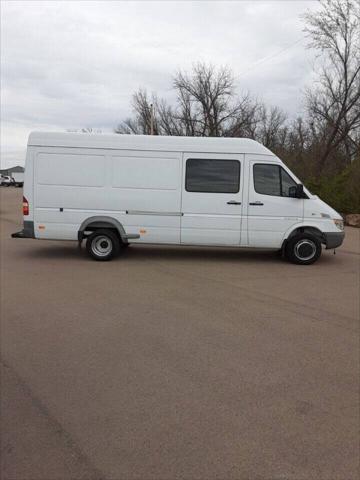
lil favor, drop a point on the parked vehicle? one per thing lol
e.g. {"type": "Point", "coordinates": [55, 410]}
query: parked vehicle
{"type": "Point", "coordinates": [7, 181]}
{"type": "Point", "coordinates": [113, 190]}
{"type": "Point", "coordinates": [18, 178]}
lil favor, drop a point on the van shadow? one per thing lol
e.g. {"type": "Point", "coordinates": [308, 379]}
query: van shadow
{"type": "Point", "coordinates": [190, 254]}
{"type": "Point", "coordinates": [140, 253]}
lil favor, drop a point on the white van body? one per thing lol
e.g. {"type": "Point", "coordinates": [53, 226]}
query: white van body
{"type": "Point", "coordinates": [167, 190]}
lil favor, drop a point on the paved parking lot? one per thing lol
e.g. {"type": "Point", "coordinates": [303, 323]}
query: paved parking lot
{"type": "Point", "coordinates": [177, 363]}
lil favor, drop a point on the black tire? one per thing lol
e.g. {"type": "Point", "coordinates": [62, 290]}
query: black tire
{"type": "Point", "coordinates": [103, 245]}
{"type": "Point", "coordinates": [303, 249]}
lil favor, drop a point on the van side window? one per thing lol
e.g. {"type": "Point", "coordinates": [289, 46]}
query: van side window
{"type": "Point", "coordinates": [212, 176]}
{"type": "Point", "coordinates": [272, 180]}
{"type": "Point", "coordinates": [286, 183]}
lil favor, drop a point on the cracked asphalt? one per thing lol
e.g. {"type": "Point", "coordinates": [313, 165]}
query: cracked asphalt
{"type": "Point", "coordinates": [176, 363]}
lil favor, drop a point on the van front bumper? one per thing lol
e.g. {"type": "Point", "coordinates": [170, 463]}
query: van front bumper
{"type": "Point", "coordinates": [334, 239]}
{"type": "Point", "coordinates": [27, 232]}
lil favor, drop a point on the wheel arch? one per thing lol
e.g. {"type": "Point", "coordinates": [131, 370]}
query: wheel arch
{"type": "Point", "coordinates": [97, 222]}
{"type": "Point", "coordinates": [303, 229]}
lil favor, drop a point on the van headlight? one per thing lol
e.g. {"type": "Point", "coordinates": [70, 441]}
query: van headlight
{"type": "Point", "coordinates": [339, 224]}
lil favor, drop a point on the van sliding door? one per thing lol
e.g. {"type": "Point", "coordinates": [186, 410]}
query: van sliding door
{"type": "Point", "coordinates": [212, 199]}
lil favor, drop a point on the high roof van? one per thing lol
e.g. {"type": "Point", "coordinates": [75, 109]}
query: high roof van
{"type": "Point", "coordinates": [114, 190]}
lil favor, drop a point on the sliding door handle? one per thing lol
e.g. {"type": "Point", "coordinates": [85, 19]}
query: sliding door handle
{"type": "Point", "coordinates": [256, 203]}
{"type": "Point", "coordinates": [233, 202]}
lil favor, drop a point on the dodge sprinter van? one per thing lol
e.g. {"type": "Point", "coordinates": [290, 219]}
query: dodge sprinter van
{"type": "Point", "coordinates": [113, 190]}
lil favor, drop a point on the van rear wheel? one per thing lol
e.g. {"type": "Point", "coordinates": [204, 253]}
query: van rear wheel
{"type": "Point", "coordinates": [103, 245]}
{"type": "Point", "coordinates": [303, 249]}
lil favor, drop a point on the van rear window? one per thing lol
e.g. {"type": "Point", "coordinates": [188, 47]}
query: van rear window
{"type": "Point", "coordinates": [212, 176]}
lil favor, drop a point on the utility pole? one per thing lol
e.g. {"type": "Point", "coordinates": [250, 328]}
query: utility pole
{"type": "Point", "coordinates": [151, 119]}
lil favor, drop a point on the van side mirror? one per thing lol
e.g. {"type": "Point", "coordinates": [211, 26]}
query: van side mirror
{"type": "Point", "coordinates": [297, 191]}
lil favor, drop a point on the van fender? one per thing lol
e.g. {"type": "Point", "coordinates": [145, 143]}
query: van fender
{"type": "Point", "coordinates": [303, 227]}
{"type": "Point", "coordinates": [105, 222]}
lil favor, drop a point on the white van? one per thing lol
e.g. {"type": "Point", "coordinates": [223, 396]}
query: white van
{"type": "Point", "coordinates": [113, 190]}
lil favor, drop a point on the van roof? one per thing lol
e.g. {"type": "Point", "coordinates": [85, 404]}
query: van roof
{"type": "Point", "coordinates": [147, 142]}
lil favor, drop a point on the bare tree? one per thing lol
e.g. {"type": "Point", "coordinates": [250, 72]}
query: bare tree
{"type": "Point", "coordinates": [206, 106]}
{"type": "Point", "coordinates": [130, 126]}
{"type": "Point", "coordinates": [151, 114]}
{"type": "Point", "coordinates": [271, 127]}
{"type": "Point", "coordinates": [244, 122]}
{"type": "Point", "coordinates": [168, 120]}
{"type": "Point", "coordinates": [207, 102]}
{"type": "Point", "coordinates": [141, 124]}
{"type": "Point", "coordinates": [334, 105]}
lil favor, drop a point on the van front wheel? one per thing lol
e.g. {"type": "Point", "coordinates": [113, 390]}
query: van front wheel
{"type": "Point", "coordinates": [103, 245]}
{"type": "Point", "coordinates": [303, 249]}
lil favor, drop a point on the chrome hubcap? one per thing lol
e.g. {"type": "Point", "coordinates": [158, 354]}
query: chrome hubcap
{"type": "Point", "coordinates": [305, 250]}
{"type": "Point", "coordinates": [101, 246]}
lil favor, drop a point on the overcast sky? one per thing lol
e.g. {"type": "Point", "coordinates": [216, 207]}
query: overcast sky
{"type": "Point", "coordinates": [72, 64]}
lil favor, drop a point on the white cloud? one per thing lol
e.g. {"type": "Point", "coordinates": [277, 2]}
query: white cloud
{"type": "Point", "coordinates": [73, 64]}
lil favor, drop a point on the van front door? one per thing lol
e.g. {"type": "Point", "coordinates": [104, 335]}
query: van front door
{"type": "Point", "coordinates": [212, 199]}
{"type": "Point", "coordinates": [271, 212]}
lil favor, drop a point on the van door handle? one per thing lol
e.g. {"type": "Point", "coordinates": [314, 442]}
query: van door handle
{"type": "Point", "coordinates": [256, 203]}
{"type": "Point", "coordinates": [233, 202]}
